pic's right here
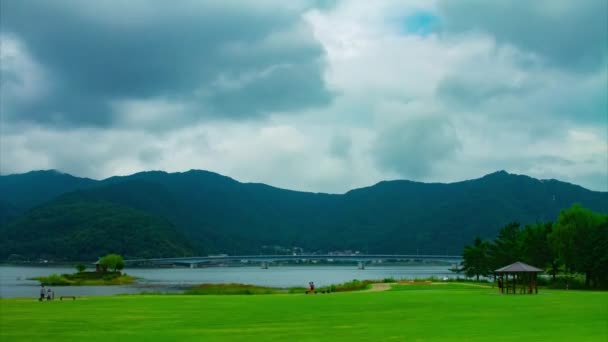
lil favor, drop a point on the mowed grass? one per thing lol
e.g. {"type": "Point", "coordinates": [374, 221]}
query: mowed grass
{"type": "Point", "coordinates": [407, 313]}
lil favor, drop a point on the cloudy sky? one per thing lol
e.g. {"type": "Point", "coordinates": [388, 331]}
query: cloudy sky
{"type": "Point", "coordinates": [308, 95]}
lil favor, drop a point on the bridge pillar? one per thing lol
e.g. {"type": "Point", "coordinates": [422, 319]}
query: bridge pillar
{"type": "Point", "coordinates": [361, 265]}
{"type": "Point", "coordinates": [264, 265]}
{"type": "Point", "coordinates": [193, 265]}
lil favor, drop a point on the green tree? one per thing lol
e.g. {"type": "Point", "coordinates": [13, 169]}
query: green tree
{"type": "Point", "coordinates": [579, 239]}
{"type": "Point", "coordinates": [112, 261]}
{"type": "Point", "coordinates": [506, 248]}
{"type": "Point", "coordinates": [536, 249]}
{"type": "Point", "coordinates": [600, 255]}
{"type": "Point", "coordinates": [476, 261]}
{"type": "Point", "coordinates": [80, 268]}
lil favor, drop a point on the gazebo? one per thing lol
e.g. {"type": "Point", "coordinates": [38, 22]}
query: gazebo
{"type": "Point", "coordinates": [520, 273]}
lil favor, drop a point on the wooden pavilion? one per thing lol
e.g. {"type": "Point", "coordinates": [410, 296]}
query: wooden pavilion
{"type": "Point", "coordinates": [521, 274]}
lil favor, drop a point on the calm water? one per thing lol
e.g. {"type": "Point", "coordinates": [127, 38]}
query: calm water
{"type": "Point", "coordinates": [14, 283]}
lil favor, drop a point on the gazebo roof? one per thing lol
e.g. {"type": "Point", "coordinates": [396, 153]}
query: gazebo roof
{"type": "Point", "coordinates": [518, 267]}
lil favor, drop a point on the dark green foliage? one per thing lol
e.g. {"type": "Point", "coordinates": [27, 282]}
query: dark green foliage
{"type": "Point", "coordinates": [536, 249]}
{"type": "Point", "coordinates": [80, 268]}
{"type": "Point", "coordinates": [220, 215]}
{"type": "Point", "coordinates": [8, 212]}
{"type": "Point", "coordinates": [36, 187]}
{"type": "Point", "coordinates": [81, 229]}
{"type": "Point", "coordinates": [580, 240]}
{"type": "Point", "coordinates": [506, 248]}
{"type": "Point", "coordinates": [476, 261]}
{"type": "Point", "coordinates": [576, 244]}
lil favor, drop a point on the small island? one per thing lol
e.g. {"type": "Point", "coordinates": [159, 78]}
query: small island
{"type": "Point", "coordinates": [107, 272]}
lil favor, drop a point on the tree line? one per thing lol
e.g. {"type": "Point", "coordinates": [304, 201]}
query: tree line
{"type": "Point", "coordinates": [575, 244]}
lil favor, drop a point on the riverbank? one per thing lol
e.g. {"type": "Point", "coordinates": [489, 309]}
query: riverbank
{"type": "Point", "coordinates": [404, 312]}
{"type": "Point", "coordinates": [14, 280]}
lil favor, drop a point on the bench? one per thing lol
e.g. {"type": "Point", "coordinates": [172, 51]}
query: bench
{"type": "Point", "coordinates": [73, 297]}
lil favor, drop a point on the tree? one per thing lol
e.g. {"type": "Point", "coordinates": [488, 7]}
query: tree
{"type": "Point", "coordinates": [600, 255]}
{"type": "Point", "coordinates": [112, 261]}
{"type": "Point", "coordinates": [80, 268]}
{"type": "Point", "coordinates": [579, 239]}
{"type": "Point", "coordinates": [506, 248]}
{"type": "Point", "coordinates": [536, 249]}
{"type": "Point", "coordinates": [476, 261]}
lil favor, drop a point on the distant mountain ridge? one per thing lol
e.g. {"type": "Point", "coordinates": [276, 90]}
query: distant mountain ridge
{"type": "Point", "coordinates": [218, 214]}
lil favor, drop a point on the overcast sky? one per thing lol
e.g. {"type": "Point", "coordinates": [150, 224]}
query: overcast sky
{"type": "Point", "coordinates": [308, 95]}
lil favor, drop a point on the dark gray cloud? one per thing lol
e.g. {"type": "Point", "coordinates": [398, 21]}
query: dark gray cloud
{"type": "Point", "coordinates": [108, 87]}
{"type": "Point", "coordinates": [150, 155]}
{"type": "Point", "coordinates": [97, 53]}
{"type": "Point", "coordinates": [412, 148]}
{"type": "Point", "coordinates": [571, 34]}
{"type": "Point", "coordinates": [340, 146]}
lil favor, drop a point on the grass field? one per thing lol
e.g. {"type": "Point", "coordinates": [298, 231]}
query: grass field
{"type": "Point", "coordinates": [406, 313]}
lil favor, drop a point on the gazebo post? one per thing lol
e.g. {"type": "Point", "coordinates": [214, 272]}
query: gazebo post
{"type": "Point", "coordinates": [515, 283]}
{"type": "Point", "coordinates": [520, 276]}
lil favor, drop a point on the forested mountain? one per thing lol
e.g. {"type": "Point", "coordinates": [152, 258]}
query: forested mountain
{"type": "Point", "coordinates": [26, 190]}
{"type": "Point", "coordinates": [220, 215]}
{"type": "Point", "coordinates": [8, 212]}
{"type": "Point", "coordinates": [77, 228]}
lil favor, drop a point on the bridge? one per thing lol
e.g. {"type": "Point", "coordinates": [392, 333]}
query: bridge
{"type": "Point", "coordinates": [265, 260]}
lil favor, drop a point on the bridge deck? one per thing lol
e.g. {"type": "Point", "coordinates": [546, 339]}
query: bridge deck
{"type": "Point", "coordinates": [271, 258]}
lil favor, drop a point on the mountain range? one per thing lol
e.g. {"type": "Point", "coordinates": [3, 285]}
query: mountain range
{"type": "Point", "coordinates": [53, 215]}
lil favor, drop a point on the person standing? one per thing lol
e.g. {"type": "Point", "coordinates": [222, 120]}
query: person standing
{"type": "Point", "coordinates": [500, 284]}
{"type": "Point", "coordinates": [42, 293]}
{"type": "Point", "coordinates": [49, 293]}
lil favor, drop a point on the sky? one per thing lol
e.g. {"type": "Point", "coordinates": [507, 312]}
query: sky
{"type": "Point", "coordinates": [320, 96]}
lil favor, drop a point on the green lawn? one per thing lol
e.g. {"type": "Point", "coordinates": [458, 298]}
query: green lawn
{"type": "Point", "coordinates": [407, 313]}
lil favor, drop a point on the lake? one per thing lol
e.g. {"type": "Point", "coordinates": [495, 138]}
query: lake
{"type": "Point", "coordinates": [14, 282]}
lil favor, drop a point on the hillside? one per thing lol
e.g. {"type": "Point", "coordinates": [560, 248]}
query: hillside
{"type": "Point", "coordinates": [19, 192]}
{"type": "Point", "coordinates": [221, 215]}
{"type": "Point", "coordinates": [76, 228]}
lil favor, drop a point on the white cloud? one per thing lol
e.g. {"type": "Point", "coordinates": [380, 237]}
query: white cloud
{"type": "Point", "coordinates": [439, 106]}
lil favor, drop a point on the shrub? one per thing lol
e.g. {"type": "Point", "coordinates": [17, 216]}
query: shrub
{"type": "Point", "coordinates": [231, 289]}
{"type": "Point", "coordinates": [571, 282]}
{"type": "Point", "coordinates": [53, 280]}
{"type": "Point", "coordinates": [354, 285]}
